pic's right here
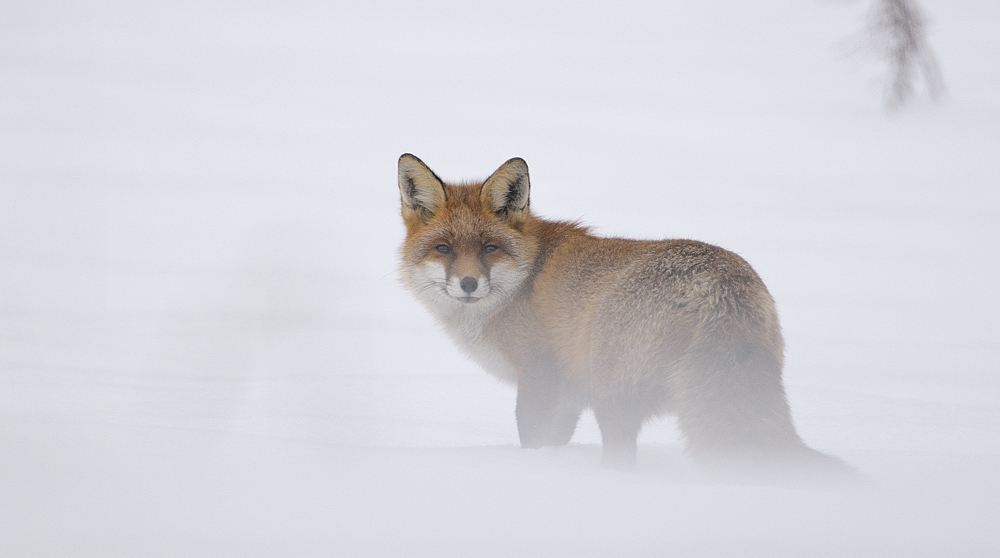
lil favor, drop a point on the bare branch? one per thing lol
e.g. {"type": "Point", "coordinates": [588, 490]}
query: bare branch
{"type": "Point", "coordinates": [896, 34]}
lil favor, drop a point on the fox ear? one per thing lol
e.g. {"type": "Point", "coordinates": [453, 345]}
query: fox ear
{"type": "Point", "coordinates": [505, 192]}
{"type": "Point", "coordinates": [421, 190]}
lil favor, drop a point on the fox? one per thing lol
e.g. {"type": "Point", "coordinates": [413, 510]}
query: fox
{"type": "Point", "coordinates": [631, 329]}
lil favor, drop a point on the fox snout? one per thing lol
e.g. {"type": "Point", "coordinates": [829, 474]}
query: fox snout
{"type": "Point", "coordinates": [469, 284]}
{"type": "Point", "coordinates": [467, 277]}
{"type": "Point", "coordinates": [468, 288]}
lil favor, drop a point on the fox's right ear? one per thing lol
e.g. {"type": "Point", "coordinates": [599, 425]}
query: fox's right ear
{"type": "Point", "coordinates": [505, 192]}
{"type": "Point", "coordinates": [421, 191]}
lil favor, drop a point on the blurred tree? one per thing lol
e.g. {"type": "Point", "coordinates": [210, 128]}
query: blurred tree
{"type": "Point", "coordinates": [895, 33]}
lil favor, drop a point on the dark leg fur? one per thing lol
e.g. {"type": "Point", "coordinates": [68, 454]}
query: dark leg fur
{"type": "Point", "coordinates": [547, 411]}
{"type": "Point", "coordinates": [620, 421]}
{"type": "Point", "coordinates": [565, 418]}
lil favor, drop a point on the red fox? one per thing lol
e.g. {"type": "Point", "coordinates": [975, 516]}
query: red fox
{"type": "Point", "coordinates": [629, 328]}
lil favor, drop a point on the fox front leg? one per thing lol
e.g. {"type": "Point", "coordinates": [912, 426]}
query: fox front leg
{"type": "Point", "coordinates": [620, 422]}
{"type": "Point", "coordinates": [547, 410]}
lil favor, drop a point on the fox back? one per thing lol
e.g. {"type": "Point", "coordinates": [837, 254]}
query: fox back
{"type": "Point", "coordinates": [631, 329]}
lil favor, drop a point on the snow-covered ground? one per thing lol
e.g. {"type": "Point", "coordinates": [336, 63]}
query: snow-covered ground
{"type": "Point", "coordinates": [204, 350]}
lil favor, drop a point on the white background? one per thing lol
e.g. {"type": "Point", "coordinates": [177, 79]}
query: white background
{"type": "Point", "coordinates": [204, 350]}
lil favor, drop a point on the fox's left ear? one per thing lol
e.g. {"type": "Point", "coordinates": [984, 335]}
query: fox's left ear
{"type": "Point", "coordinates": [420, 190]}
{"type": "Point", "coordinates": [505, 192]}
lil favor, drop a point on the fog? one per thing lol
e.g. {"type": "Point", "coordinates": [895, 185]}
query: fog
{"type": "Point", "coordinates": [205, 351]}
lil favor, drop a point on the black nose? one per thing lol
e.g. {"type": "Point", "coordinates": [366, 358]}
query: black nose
{"type": "Point", "coordinates": [469, 284]}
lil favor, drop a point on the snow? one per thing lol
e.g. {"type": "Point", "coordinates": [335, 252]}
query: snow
{"type": "Point", "coordinates": [204, 349]}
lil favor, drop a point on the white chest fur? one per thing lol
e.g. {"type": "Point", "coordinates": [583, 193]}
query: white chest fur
{"type": "Point", "coordinates": [466, 329]}
{"type": "Point", "coordinates": [464, 321]}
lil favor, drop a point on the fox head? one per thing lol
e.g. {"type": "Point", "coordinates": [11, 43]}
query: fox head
{"type": "Point", "coordinates": [467, 249]}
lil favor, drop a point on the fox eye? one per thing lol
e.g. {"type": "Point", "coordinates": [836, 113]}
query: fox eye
{"type": "Point", "coordinates": [490, 248]}
{"type": "Point", "coordinates": [443, 248]}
